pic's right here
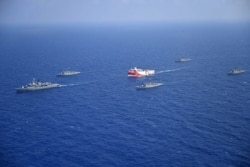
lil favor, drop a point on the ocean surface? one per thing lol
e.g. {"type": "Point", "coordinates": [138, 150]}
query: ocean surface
{"type": "Point", "coordinates": [199, 117]}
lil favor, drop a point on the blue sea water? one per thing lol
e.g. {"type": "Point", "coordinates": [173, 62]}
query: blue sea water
{"type": "Point", "coordinates": [199, 117]}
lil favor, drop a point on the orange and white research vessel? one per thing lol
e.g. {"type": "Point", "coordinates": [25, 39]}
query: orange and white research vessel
{"type": "Point", "coordinates": [137, 72]}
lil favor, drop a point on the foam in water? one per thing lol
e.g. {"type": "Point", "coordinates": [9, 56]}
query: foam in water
{"type": "Point", "coordinates": [165, 71]}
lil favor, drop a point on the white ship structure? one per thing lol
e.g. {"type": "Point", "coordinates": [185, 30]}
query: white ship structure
{"type": "Point", "coordinates": [137, 72]}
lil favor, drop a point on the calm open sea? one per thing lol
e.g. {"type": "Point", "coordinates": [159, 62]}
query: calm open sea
{"type": "Point", "coordinates": [199, 117]}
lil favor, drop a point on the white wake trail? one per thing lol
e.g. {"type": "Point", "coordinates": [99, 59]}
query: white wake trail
{"type": "Point", "coordinates": [70, 85]}
{"type": "Point", "coordinates": [171, 70]}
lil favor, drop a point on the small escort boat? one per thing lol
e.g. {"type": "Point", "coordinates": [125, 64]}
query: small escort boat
{"type": "Point", "coordinates": [148, 85]}
{"type": "Point", "coordinates": [37, 85]}
{"type": "Point", "coordinates": [236, 71]}
{"type": "Point", "coordinates": [137, 72]}
{"type": "Point", "coordinates": [183, 59]}
{"type": "Point", "coordinates": [68, 73]}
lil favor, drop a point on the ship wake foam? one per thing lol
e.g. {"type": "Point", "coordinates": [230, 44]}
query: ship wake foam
{"type": "Point", "coordinates": [70, 85]}
{"type": "Point", "coordinates": [169, 70]}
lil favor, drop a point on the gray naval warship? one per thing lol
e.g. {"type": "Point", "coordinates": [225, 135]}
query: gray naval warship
{"type": "Point", "coordinates": [148, 85]}
{"type": "Point", "coordinates": [37, 85]}
{"type": "Point", "coordinates": [68, 73]}
{"type": "Point", "coordinates": [183, 59]}
{"type": "Point", "coordinates": [236, 71]}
